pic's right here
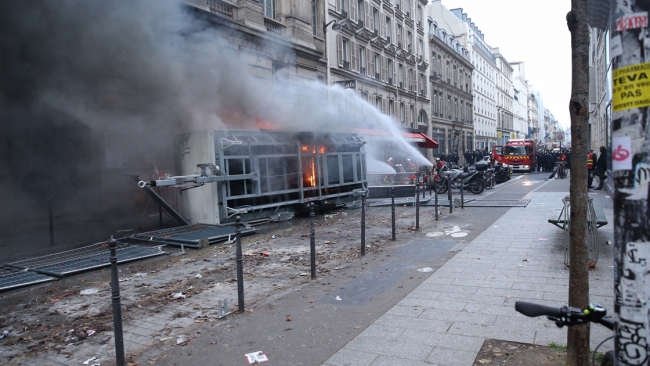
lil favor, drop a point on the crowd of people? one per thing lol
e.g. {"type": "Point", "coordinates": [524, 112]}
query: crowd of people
{"type": "Point", "coordinates": [546, 159]}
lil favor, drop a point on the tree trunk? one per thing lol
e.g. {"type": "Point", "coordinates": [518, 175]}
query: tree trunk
{"type": "Point", "coordinates": [578, 336]}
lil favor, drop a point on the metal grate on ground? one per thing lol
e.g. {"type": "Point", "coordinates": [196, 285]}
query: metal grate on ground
{"type": "Point", "coordinates": [189, 235]}
{"type": "Point", "coordinates": [86, 258]}
{"type": "Point", "coordinates": [400, 201]}
{"type": "Point", "coordinates": [11, 278]}
{"type": "Point", "coordinates": [497, 203]}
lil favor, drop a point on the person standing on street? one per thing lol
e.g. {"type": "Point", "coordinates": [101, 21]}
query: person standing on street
{"type": "Point", "coordinates": [601, 167]}
{"type": "Point", "coordinates": [590, 168]}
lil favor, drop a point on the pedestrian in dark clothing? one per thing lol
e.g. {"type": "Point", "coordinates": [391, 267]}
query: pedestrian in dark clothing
{"type": "Point", "coordinates": [601, 167]}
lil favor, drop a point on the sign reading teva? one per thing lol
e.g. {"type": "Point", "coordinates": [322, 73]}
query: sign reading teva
{"type": "Point", "coordinates": [631, 87]}
{"type": "Point", "coordinates": [559, 137]}
{"type": "Point", "coordinates": [346, 84]}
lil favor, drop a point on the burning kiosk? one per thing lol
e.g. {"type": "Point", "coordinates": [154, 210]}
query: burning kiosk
{"type": "Point", "coordinates": [257, 174]}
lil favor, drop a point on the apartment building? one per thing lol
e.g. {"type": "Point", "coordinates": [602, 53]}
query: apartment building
{"type": "Point", "coordinates": [504, 99]}
{"type": "Point", "coordinates": [450, 80]}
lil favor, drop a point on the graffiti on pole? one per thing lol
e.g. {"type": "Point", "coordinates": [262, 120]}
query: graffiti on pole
{"type": "Point", "coordinates": [630, 153]}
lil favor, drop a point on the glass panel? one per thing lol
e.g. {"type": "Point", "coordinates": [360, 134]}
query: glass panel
{"type": "Point", "coordinates": [348, 173]}
{"type": "Point", "coordinates": [264, 186]}
{"type": "Point", "coordinates": [333, 170]}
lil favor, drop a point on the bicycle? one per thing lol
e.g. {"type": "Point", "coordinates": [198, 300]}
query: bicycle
{"type": "Point", "coordinates": [573, 316]}
{"type": "Point", "coordinates": [560, 170]}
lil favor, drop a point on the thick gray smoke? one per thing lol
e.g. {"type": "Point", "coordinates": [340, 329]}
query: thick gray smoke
{"type": "Point", "coordinates": [97, 87]}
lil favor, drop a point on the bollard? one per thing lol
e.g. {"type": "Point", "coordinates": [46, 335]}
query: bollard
{"type": "Point", "coordinates": [363, 223]}
{"type": "Point", "coordinates": [312, 240]}
{"type": "Point", "coordinates": [417, 210]}
{"type": "Point", "coordinates": [49, 202]}
{"type": "Point", "coordinates": [392, 211]}
{"type": "Point", "coordinates": [240, 265]}
{"type": "Point", "coordinates": [451, 204]}
{"type": "Point", "coordinates": [462, 195]}
{"type": "Point", "coordinates": [435, 203]}
{"type": "Point", "coordinates": [117, 307]}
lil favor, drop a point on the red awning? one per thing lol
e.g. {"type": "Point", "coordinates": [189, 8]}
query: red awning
{"type": "Point", "coordinates": [416, 137]}
{"type": "Point", "coordinates": [421, 139]}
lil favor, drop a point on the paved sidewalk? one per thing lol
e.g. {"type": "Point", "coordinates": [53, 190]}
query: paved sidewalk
{"type": "Point", "coordinates": [446, 319]}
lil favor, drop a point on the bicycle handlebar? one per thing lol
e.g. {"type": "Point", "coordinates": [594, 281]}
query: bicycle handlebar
{"type": "Point", "coordinates": [566, 315]}
{"type": "Point", "coordinates": [534, 310]}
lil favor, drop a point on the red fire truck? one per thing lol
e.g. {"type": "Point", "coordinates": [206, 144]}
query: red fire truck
{"type": "Point", "coordinates": [519, 154]}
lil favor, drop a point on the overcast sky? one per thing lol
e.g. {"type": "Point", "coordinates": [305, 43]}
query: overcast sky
{"type": "Point", "coordinates": [534, 32]}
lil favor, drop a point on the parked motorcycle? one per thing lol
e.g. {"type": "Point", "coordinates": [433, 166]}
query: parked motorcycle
{"type": "Point", "coordinates": [470, 180]}
{"type": "Point", "coordinates": [502, 173]}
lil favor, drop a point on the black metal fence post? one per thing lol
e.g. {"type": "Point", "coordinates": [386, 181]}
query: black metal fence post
{"type": "Point", "coordinates": [392, 211]}
{"type": "Point", "coordinates": [51, 215]}
{"type": "Point", "coordinates": [312, 240]}
{"type": "Point", "coordinates": [435, 202]}
{"type": "Point", "coordinates": [462, 195]}
{"type": "Point", "coordinates": [363, 223]}
{"type": "Point", "coordinates": [120, 360]}
{"type": "Point", "coordinates": [417, 204]}
{"type": "Point", "coordinates": [240, 265]}
{"type": "Point", "coordinates": [451, 204]}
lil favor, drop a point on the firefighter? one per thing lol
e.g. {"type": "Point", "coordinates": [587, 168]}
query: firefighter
{"type": "Point", "coordinates": [590, 168]}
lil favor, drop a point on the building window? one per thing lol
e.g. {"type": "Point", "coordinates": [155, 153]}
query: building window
{"type": "Point", "coordinates": [361, 10]}
{"type": "Point", "coordinates": [269, 8]}
{"type": "Point", "coordinates": [375, 20]}
{"type": "Point", "coordinates": [346, 54]}
{"type": "Point", "coordinates": [389, 29]}
{"type": "Point", "coordinates": [401, 113]}
{"type": "Point", "coordinates": [401, 76]}
{"type": "Point", "coordinates": [390, 71]}
{"type": "Point", "coordinates": [362, 60]}
{"type": "Point", "coordinates": [377, 66]}
{"type": "Point", "coordinates": [314, 28]}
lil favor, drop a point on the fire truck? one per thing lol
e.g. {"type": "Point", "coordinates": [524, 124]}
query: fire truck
{"type": "Point", "coordinates": [519, 154]}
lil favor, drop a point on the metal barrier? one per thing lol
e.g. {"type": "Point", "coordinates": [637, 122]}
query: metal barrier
{"type": "Point", "coordinates": [592, 233]}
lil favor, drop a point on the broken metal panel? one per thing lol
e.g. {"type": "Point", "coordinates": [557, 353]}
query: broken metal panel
{"type": "Point", "coordinates": [11, 278]}
{"type": "Point", "coordinates": [190, 235]}
{"type": "Point", "coordinates": [86, 258]}
{"type": "Point", "coordinates": [262, 170]}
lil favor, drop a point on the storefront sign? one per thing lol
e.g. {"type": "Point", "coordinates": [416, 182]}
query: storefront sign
{"type": "Point", "coordinates": [346, 84]}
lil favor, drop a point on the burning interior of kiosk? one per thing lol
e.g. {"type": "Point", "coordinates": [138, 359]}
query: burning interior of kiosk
{"type": "Point", "coordinates": [262, 174]}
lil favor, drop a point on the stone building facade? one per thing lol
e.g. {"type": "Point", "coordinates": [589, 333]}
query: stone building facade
{"type": "Point", "coordinates": [504, 98]}
{"type": "Point", "coordinates": [381, 46]}
{"type": "Point", "coordinates": [450, 80]}
{"type": "Point", "coordinates": [521, 129]}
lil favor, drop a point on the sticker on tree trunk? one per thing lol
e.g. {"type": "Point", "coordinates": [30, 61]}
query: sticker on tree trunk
{"type": "Point", "coordinates": [631, 87]}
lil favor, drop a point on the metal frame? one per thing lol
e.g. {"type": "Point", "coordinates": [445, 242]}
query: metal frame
{"type": "Point", "coordinates": [86, 258]}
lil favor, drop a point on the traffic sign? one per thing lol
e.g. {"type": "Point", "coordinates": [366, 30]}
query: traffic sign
{"type": "Point", "coordinates": [559, 137]}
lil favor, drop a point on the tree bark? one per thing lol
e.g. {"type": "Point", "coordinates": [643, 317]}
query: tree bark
{"type": "Point", "coordinates": [578, 336]}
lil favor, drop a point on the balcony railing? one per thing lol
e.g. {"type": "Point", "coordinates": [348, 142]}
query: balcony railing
{"type": "Point", "coordinates": [346, 65]}
{"type": "Point", "coordinates": [220, 8]}
{"type": "Point", "coordinates": [273, 26]}
{"type": "Point", "coordinates": [362, 70]}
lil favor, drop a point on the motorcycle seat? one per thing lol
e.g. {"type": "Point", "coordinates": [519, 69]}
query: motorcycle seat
{"type": "Point", "coordinates": [464, 175]}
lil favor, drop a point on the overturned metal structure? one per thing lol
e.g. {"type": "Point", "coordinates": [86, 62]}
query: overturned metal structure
{"type": "Point", "coordinates": [258, 174]}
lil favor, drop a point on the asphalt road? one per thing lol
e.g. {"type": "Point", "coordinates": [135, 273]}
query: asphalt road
{"type": "Point", "coordinates": [308, 325]}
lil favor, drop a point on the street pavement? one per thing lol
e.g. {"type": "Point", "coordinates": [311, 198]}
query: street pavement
{"type": "Point", "coordinates": [381, 310]}
{"type": "Point", "coordinates": [446, 319]}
